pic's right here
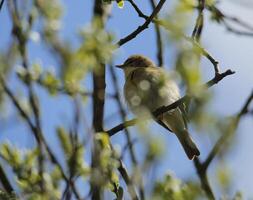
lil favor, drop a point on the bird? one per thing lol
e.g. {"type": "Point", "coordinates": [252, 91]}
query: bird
{"type": "Point", "coordinates": [147, 88]}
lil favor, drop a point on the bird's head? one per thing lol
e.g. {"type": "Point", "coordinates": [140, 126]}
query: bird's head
{"type": "Point", "coordinates": [136, 61]}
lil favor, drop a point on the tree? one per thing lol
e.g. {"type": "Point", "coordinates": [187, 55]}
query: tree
{"type": "Point", "coordinates": [75, 157]}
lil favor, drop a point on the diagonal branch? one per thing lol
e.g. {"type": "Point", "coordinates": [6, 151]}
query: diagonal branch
{"type": "Point", "coordinates": [218, 145]}
{"type": "Point", "coordinates": [199, 22]}
{"type": "Point", "coordinates": [174, 105]}
{"type": "Point", "coordinates": [203, 178]}
{"type": "Point", "coordinates": [143, 26]}
{"type": "Point", "coordinates": [5, 181]}
{"type": "Point", "coordinates": [224, 19]}
{"type": "Point", "coordinates": [1, 4]}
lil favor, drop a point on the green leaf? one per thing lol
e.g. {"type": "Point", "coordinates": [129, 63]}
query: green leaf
{"type": "Point", "coordinates": [64, 141]}
{"type": "Point", "coordinates": [6, 196]}
{"type": "Point", "coordinates": [10, 154]}
{"type": "Point", "coordinates": [50, 82]}
{"type": "Point", "coordinates": [120, 3]}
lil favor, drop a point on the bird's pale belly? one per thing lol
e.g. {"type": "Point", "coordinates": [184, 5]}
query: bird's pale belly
{"type": "Point", "coordinates": [145, 98]}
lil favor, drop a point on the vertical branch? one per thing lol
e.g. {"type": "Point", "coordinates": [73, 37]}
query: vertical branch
{"type": "Point", "coordinates": [98, 101]}
{"type": "Point", "coordinates": [99, 77]}
{"type": "Point", "coordinates": [98, 113]}
{"type": "Point", "coordinates": [201, 171]}
{"type": "Point", "coordinates": [196, 34]}
{"type": "Point", "coordinates": [159, 43]}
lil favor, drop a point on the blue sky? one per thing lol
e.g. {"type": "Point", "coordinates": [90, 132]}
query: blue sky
{"type": "Point", "coordinates": [232, 51]}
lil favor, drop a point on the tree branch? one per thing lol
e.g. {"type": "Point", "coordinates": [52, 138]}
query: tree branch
{"type": "Point", "coordinates": [163, 109]}
{"type": "Point", "coordinates": [218, 145]}
{"type": "Point", "coordinates": [1, 4]}
{"type": "Point", "coordinates": [203, 178]}
{"type": "Point", "coordinates": [5, 181]}
{"type": "Point", "coordinates": [189, 39]}
{"type": "Point", "coordinates": [223, 18]}
{"type": "Point", "coordinates": [159, 43]}
{"type": "Point", "coordinates": [143, 26]}
{"type": "Point", "coordinates": [98, 99]}
{"type": "Point", "coordinates": [127, 180]}
{"type": "Point", "coordinates": [199, 22]}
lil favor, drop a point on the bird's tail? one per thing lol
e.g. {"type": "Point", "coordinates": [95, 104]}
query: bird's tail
{"type": "Point", "coordinates": [188, 144]}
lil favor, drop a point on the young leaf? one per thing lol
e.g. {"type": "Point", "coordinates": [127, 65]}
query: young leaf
{"type": "Point", "coordinates": [120, 3]}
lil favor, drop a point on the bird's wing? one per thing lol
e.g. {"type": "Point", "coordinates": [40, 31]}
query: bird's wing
{"type": "Point", "coordinates": [183, 110]}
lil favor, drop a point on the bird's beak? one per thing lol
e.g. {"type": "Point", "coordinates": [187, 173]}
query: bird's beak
{"type": "Point", "coordinates": [120, 66]}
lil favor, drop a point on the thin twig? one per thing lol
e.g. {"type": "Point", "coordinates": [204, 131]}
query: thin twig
{"type": "Point", "coordinates": [1, 4]}
{"type": "Point", "coordinates": [236, 31]}
{"type": "Point", "coordinates": [224, 19]}
{"type": "Point", "coordinates": [159, 43]}
{"type": "Point", "coordinates": [200, 21]}
{"type": "Point", "coordinates": [127, 179]}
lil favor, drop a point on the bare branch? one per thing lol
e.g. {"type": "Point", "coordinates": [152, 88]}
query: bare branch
{"type": "Point", "coordinates": [236, 31]}
{"type": "Point", "coordinates": [224, 19]}
{"type": "Point", "coordinates": [218, 77]}
{"type": "Point", "coordinates": [1, 4]}
{"type": "Point", "coordinates": [200, 21]}
{"type": "Point", "coordinates": [128, 181]}
{"type": "Point", "coordinates": [98, 99]}
{"type": "Point", "coordinates": [189, 39]}
{"type": "Point", "coordinates": [143, 26]}
{"type": "Point", "coordinates": [203, 179]}
{"type": "Point", "coordinates": [159, 43]}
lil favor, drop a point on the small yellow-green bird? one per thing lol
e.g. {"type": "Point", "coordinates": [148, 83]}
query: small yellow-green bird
{"type": "Point", "coordinates": [147, 88]}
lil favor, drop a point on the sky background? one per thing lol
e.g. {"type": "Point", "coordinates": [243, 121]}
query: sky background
{"type": "Point", "coordinates": [230, 50]}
